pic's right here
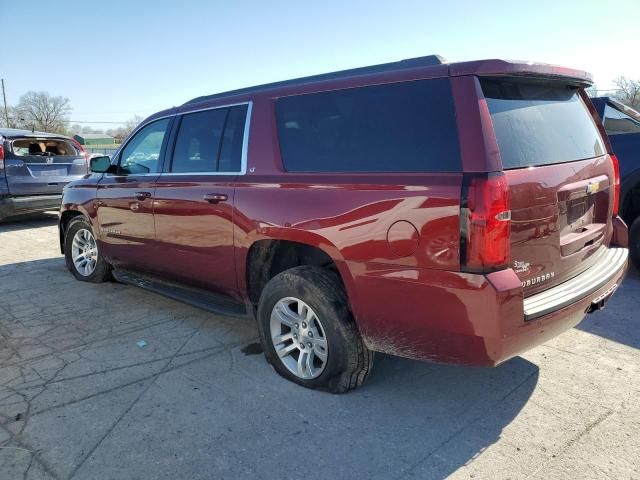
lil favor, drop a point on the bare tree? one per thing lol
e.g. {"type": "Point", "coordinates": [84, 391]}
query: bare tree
{"type": "Point", "coordinates": [131, 124]}
{"type": "Point", "coordinates": [592, 91]}
{"type": "Point", "coordinates": [41, 111]}
{"type": "Point", "coordinates": [628, 91]}
{"type": "Point", "coordinates": [8, 119]}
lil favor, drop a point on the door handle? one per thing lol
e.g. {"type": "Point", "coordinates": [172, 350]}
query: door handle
{"type": "Point", "coordinates": [142, 195]}
{"type": "Point", "coordinates": [215, 197]}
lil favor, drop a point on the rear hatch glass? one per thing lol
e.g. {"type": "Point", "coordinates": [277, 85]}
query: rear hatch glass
{"type": "Point", "coordinates": [40, 166]}
{"type": "Point", "coordinates": [559, 176]}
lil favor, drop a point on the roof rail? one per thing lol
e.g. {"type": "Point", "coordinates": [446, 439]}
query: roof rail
{"type": "Point", "coordinates": [426, 61]}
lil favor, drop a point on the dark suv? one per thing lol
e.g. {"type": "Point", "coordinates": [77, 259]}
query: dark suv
{"type": "Point", "coordinates": [622, 124]}
{"type": "Point", "coordinates": [458, 213]}
{"type": "Point", "coordinates": [34, 167]}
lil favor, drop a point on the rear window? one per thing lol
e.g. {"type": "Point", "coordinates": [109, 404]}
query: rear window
{"type": "Point", "coordinates": [401, 127]}
{"type": "Point", "coordinates": [24, 147]}
{"type": "Point", "coordinates": [540, 124]}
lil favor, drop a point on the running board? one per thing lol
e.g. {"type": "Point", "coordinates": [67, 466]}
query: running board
{"type": "Point", "coordinates": [196, 297]}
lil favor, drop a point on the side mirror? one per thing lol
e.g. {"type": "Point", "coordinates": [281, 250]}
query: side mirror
{"type": "Point", "coordinates": [101, 165]}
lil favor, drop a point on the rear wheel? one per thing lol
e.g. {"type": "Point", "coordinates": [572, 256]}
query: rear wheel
{"type": "Point", "coordinates": [634, 242]}
{"type": "Point", "coordinates": [81, 253]}
{"type": "Point", "coordinates": [308, 333]}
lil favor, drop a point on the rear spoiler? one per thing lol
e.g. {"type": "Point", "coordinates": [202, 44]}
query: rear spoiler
{"type": "Point", "coordinates": [500, 68]}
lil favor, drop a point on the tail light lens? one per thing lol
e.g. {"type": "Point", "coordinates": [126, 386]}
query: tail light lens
{"type": "Point", "coordinates": [486, 223]}
{"type": "Point", "coordinates": [616, 185]}
{"type": "Point", "coordinates": [1, 156]}
{"type": "Point", "coordinates": [82, 151]}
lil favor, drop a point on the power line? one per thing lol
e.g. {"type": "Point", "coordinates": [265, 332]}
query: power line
{"type": "Point", "coordinates": [84, 121]}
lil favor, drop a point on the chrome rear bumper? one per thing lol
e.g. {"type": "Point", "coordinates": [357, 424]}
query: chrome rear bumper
{"type": "Point", "coordinates": [609, 263]}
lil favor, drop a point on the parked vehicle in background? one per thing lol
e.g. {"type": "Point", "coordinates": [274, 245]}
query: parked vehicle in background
{"type": "Point", "coordinates": [34, 168]}
{"type": "Point", "coordinates": [460, 213]}
{"type": "Point", "coordinates": [96, 155]}
{"type": "Point", "coordinates": [622, 124]}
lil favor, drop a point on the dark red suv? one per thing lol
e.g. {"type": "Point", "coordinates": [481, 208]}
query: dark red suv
{"type": "Point", "coordinates": [458, 213]}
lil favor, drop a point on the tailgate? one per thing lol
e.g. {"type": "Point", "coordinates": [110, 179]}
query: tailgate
{"type": "Point", "coordinates": [560, 179]}
{"type": "Point", "coordinates": [42, 166]}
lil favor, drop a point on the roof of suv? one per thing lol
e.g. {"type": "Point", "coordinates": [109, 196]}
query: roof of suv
{"type": "Point", "coordinates": [427, 64]}
{"type": "Point", "coordinates": [18, 132]}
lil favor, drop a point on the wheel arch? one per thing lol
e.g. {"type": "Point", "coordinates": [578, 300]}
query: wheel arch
{"type": "Point", "coordinates": [265, 257]}
{"type": "Point", "coordinates": [65, 219]}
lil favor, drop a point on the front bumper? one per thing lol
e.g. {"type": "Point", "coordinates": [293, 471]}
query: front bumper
{"type": "Point", "coordinates": [37, 203]}
{"type": "Point", "coordinates": [461, 318]}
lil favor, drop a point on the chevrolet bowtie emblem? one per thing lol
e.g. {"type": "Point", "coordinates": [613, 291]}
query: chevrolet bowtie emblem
{"type": "Point", "coordinates": [593, 187]}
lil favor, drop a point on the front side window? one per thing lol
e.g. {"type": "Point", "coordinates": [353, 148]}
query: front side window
{"type": "Point", "coordinates": [617, 122]}
{"type": "Point", "coordinates": [399, 127]}
{"type": "Point", "coordinates": [210, 141]}
{"type": "Point", "coordinates": [142, 154]}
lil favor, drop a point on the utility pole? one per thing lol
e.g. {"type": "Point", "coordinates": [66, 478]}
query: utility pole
{"type": "Point", "coordinates": [4, 98]}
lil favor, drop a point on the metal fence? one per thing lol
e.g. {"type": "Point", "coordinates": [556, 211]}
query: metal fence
{"type": "Point", "coordinates": [102, 150]}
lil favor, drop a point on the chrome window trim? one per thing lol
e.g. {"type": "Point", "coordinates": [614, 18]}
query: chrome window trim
{"type": "Point", "coordinates": [245, 142]}
{"type": "Point", "coordinates": [216, 107]}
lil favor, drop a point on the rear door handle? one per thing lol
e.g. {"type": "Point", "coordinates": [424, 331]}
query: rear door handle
{"type": "Point", "coordinates": [142, 195]}
{"type": "Point", "coordinates": [215, 197]}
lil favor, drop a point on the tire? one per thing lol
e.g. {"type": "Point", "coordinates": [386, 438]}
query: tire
{"type": "Point", "coordinates": [347, 361]}
{"type": "Point", "coordinates": [101, 271]}
{"type": "Point", "coordinates": [634, 242]}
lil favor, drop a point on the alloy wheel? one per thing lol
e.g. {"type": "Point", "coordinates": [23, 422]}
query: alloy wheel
{"type": "Point", "coordinates": [299, 338]}
{"type": "Point", "coordinates": [84, 252]}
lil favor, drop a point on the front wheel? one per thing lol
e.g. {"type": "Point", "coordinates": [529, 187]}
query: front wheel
{"type": "Point", "coordinates": [81, 253]}
{"type": "Point", "coordinates": [308, 333]}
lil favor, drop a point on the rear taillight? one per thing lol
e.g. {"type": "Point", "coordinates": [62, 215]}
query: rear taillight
{"type": "Point", "coordinates": [83, 152]}
{"type": "Point", "coordinates": [485, 223]}
{"type": "Point", "coordinates": [1, 157]}
{"type": "Point", "coordinates": [616, 185]}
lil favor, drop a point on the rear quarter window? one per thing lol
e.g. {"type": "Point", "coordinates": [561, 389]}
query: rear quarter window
{"type": "Point", "coordinates": [540, 123]}
{"type": "Point", "coordinates": [400, 127]}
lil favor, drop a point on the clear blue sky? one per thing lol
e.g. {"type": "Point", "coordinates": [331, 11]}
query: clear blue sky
{"type": "Point", "coordinates": [114, 59]}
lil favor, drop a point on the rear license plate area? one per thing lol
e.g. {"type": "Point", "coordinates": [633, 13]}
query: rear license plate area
{"type": "Point", "coordinates": [49, 172]}
{"type": "Point", "coordinates": [580, 211]}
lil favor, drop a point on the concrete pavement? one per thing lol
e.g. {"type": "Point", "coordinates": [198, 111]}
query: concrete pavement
{"type": "Point", "coordinates": [112, 382]}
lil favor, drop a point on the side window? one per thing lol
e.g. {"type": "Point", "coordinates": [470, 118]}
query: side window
{"type": "Point", "coordinates": [142, 153]}
{"type": "Point", "coordinates": [198, 141]}
{"type": "Point", "coordinates": [617, 122]}
{"type": "Point", "coordinates": [210, 141]}
{"type": "Point", "coordinates": [399, 127]}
